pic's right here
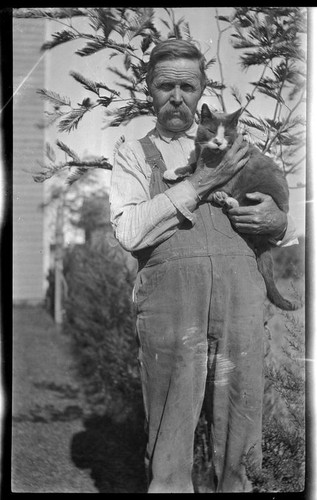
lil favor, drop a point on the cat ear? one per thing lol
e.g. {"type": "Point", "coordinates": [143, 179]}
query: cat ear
{"type": "Point", "coordinates": [205, 112]}
{"type": "Point", "coordinates": [234, 117]}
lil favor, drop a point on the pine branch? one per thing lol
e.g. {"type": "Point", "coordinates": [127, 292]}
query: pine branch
{"type": "Point", "coordinates": [50, 153]}
{"type": "Point", "coordinates": [105, 87]}
{"type": "Point", "coordinates": [133, 109]}
{"type": "Point", "coordinates": [47, 172]}
{"type": "Point", "coordinates": [222, 102]}
{"type": "Point", "coordinates": [67, 150]}
{"type": "Point", "coordinates": [92, 47]}
{"type": "Point", "coordinates": [104, 19]}
{"type": "Point", "coordinates": [271, 93]}
{"type": "Point", "coordinates": [59, 38]}
{"type": "Point", "coordinates": [49, 13]}
{"type": "Point", "coordinates": [81, 167]}
{"type": "Point", "coordinates": [254, 123]}
{"type": "Point", "coordinates": [141, 24]}
{"type": "Point", "coordinates": [122, 75]}
{"type": "Point", "coordinates": [271, 141]}
{"type": "Point", "coordinates": [85, 82]}
{"type": "Point", "coordinates": [72, 119]}
{"type": "Point", "coordinates": [211, 62]}
{"type": "Point", "coordinates": [54, 97]}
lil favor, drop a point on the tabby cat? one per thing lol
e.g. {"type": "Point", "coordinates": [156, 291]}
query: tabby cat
{"type": "Point", "coordinates": [218, 131]}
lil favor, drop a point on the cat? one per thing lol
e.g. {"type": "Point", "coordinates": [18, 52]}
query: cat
{"type": "Point", "coordinates": [218, 131]}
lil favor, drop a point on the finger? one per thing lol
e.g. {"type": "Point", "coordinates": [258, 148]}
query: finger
{"type": "Point", "coordinates": [237, 143]}
{"type": "Point", "coordinates": [241, 154]}
{"type": "Point", "coordinates": [258, 196]}
{"type": "Point", "coordinates": [242, 219]}
{"type": "Point", "coordinates": [247, 228]}
{"type": "Point", "coordinates": [240, 163]}
{"type": "Point", "coordinates": [242, 211]}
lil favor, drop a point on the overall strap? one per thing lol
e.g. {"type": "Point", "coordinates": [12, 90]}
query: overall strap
{"type": "Point", "coordinates": [152, 154]}
{"type": "Point", "coordinates": [154, 159]}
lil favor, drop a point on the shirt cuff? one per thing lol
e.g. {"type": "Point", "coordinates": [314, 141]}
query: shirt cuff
{"type": "Point", "coordinates": [185, 198]}
{"type": "Point", "coordinates": [289, 237]}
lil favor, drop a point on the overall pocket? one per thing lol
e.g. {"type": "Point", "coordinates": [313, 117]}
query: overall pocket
{"type": "Point", "coordinates": [147, 280]}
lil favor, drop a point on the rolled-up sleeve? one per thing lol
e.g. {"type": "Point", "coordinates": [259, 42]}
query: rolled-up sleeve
{"type": "Point", "coordinates": [139, 221]}
{"type": "Point", "coordinates": [290, 236]}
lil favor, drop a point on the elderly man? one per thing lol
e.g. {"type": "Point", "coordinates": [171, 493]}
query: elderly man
{"type": "Point", "coordinates": [198, 293]}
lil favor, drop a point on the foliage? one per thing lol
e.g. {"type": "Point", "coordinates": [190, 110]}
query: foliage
{"type": "Point", "coordinates": [99, 318]}
{"type": "Point", "coordinates": [271, 38]}
{"type": "Point", "coordinates": [92, 215]}
{"type": "Point", "coordinates": [75, 168]}
{"type": "Point", "coordinates": [289, 262]}
{"type": "Point", "coordinates": [283, 467]}
{"type": "Point", "coordinates": [268, 37]}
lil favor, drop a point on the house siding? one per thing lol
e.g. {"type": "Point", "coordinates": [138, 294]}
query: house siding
{"type": "Point", "coordinates": [28, 141]}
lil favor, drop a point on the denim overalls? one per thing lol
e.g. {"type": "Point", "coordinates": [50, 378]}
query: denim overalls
{"type": "Point", "coordinates": [200, 301]}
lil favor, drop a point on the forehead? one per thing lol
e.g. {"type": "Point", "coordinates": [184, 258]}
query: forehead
{"type": "Point", "coordinates": [177, 70]}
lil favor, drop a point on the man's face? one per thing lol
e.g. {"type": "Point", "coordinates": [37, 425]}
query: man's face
{"type": "Point", "coordinates": [176, 89]}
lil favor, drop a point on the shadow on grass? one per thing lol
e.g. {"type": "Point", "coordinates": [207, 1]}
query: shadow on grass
{"type": "Point", "coordinates": [53, 412]}
{"type": "Point", "coordinates": [64, 391]}
{"type": "Point", "coordinates": [113, 452]}
{"type": "Point", "coordinates": [49, 413]}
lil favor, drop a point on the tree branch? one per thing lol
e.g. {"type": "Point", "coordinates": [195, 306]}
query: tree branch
{"type": "Point", "coordinates": [269, 144]}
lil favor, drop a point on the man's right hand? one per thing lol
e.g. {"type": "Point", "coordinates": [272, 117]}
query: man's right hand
{"type": "Point", "coordinates": [206, 178]}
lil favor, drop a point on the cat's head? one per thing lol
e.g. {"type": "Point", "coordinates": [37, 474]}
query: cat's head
{"type": "Point", "coordinates": [217, 130]}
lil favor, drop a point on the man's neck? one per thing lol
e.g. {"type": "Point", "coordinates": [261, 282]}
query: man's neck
{"type": "Point", "coordinates": [171, 133]}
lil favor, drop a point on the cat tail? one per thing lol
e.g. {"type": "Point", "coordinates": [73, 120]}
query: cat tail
{"type": "Point", "coordinates": [265, 266]}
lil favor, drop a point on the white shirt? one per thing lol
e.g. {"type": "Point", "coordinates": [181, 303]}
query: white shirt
{"type": "Point", "coordinates": [140, 221]}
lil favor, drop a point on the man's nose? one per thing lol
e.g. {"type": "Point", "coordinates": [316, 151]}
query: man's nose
{"type": "Point", "coordinates": [176, 97]}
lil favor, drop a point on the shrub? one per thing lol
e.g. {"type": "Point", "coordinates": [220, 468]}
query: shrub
{"type": "Point", "coordinates": [99, 318]}
{"type": "Point", "coordinates": [289, 262]}
{"type": "Point", "coordinates": [283, 440]}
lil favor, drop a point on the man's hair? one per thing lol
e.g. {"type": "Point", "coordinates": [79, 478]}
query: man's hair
{"type": "Point", "coordinates": [175, 49]}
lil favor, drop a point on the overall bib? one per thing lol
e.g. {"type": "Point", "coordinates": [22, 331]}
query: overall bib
{"type": "Point", "coordinates": [199, 299]}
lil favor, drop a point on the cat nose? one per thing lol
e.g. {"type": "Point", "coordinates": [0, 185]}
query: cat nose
{"type": "Point", "coordinates": [216, 141]}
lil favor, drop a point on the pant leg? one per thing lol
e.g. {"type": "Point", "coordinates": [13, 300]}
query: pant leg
{"type": "Point", "coordinates": [235, 380]}
{"type": "Point", "coordinates": [173, 302]}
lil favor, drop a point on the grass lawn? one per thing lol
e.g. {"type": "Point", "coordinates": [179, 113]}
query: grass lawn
{"type": "Point", "coordinates": [46, 408]}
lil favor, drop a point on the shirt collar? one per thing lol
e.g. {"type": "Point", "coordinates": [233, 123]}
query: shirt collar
{"type": "Point", "coordinates": [168, 136]}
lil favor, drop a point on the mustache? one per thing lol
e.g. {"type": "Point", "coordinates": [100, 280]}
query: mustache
{"type": "Point", "coordinates": [169, 110]}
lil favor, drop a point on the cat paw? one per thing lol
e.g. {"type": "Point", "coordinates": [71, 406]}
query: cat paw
{"type": "Point", "coordinates": [224, 200]}
{"type": "Point", "coordinates": [220, 197]}
{"type": "Point", "coordinates": [170, 175]}
{"type": "Point", "coordinates": [231, 202]}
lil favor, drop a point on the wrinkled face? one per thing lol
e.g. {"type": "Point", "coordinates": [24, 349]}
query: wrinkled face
{"type": "Point", "coordinates": [176, 89]}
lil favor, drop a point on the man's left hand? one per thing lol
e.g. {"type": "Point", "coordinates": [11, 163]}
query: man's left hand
{"type": "Point", "coordinates": [263, 218]}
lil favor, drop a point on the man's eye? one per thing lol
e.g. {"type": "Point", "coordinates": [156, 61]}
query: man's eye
{"type": "Point", "coordinates": [187, 88]}
{"type": "Point", "coordinates": [165, 86]}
